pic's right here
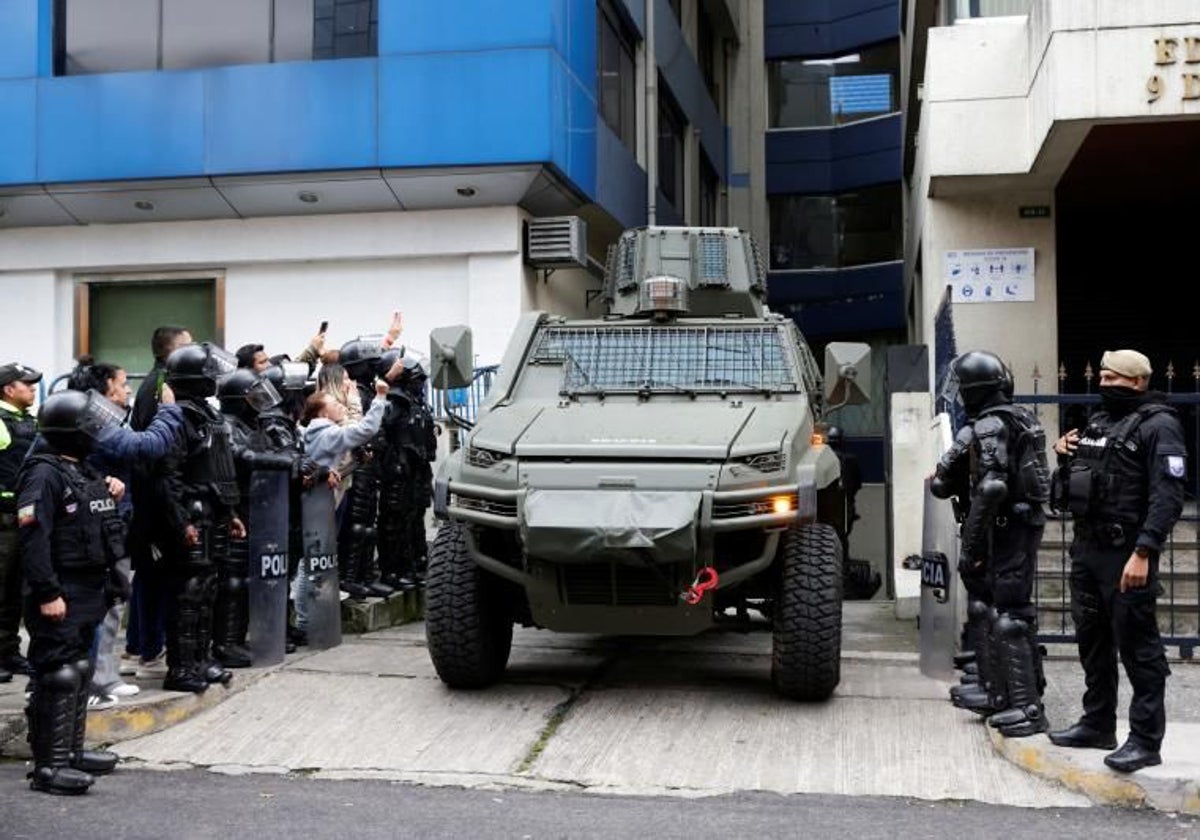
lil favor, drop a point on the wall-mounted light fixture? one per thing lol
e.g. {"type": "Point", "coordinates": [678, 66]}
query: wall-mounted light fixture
{"type": "Point", "coordinates": [308, 197]}
{"type": "Point", "coordinates": [144, 205]}
{"type": "Point", "coordinates": [466, 192]}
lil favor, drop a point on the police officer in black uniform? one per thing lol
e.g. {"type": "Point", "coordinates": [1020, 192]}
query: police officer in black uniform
{"type": "Point", "coordinates": [18, 427]}
{"type": "Point", "coordinates": [1122, 480]}
{"type": "Point", "coordinates": [357, 540]}
{"type": "Point", "coordinates": [1009, 479]}
{"type": "Point", "coordinates": [406, 488]}
{"type": "Point", "coordinates": [71, 538]}
{"type": "Point", "coordinates": [197, 483]}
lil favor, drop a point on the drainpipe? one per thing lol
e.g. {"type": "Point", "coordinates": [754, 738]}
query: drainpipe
{"type": "Point", "coordinates": [651, 119]}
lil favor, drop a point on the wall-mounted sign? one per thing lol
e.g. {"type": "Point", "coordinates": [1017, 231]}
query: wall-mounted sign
{"type": "Point", "coordinates": [990, 275]}
{"type": "Point", "coordinates": [1169, 52]}
{"type": "Point", "coordinates": [1035, 211]}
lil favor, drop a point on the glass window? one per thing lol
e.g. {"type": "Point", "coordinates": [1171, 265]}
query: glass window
{"type": "Point", "coordinates": [109, 36]}
{"type": "Point", "coordinates": [710, 193]}
{"type": "Point", "coordinates": [958, 9]}
{"type": "Point", "coordinates": [670, 149]}
{"type": "Point", "coordinates": [706, 46]}
{"type": "Point", "coordinates": [617, 70]}
{"type": "Point", "coordinates": [818, 92]}
{"type": "Point", "coordinates": [836, 231]}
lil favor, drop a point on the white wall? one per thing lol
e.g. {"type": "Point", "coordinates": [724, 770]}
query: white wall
{"type": "Point", "coordinates": [284, 276]}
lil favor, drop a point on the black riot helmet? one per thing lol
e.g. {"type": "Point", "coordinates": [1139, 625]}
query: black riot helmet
{"type": "Point", "coordinates": [359, 357]}
{"type": "Point", "coordinates": [72, 421]}
{"type": "Point", "coordinates": [244, 394]}
{"type": "Point", "coordinates": [981, 380]}
{"type": "Point", "coordinates": [194, 370]}
{"type": "Point", "coordinates": [414, 377]}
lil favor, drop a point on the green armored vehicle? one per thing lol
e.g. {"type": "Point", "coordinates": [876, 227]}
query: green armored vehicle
{"type": "Point", "coordinates": [657, 471]}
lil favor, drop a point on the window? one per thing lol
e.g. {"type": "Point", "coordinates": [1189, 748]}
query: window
{"type": "Point", "coordinates": [617, 70]}
{"type": "Point", "coordinates": [706, 55]}
{"type": "Point", "coordinates": [710, 193]}
{"type": "Point", "coordinates": [109, 36]}
{"type": "Point", "coordinates": [670, 148]}
{"type": "Point", "coordinates": [959, 9]}
{"type": "Point", "coordinates": [819, 92]}
{"type": "Point", "coordinates": [836, 231]}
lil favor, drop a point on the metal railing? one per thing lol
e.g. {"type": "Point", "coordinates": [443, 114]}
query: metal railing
{"type": "Point", "coordinates": [463, 402]}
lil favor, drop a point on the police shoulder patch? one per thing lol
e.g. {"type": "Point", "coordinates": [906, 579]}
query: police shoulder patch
{"type": "Point", "coordinates": [1176, 466]}
{"type": "Point", "coordinates": [26, 515]}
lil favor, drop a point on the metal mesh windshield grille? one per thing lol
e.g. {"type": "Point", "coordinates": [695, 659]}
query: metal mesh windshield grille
{"type": "Point", "coordinates": [667, 359]}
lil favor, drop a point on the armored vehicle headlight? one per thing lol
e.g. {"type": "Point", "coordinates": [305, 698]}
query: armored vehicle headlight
{"type": "Point", "coordinates": [484, 458]}
{"type": "Point", "coordinates": [782, 504]}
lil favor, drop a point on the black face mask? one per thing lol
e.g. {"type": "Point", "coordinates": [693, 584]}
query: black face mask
{"type": "Point", "coordinates": [1119, 399]}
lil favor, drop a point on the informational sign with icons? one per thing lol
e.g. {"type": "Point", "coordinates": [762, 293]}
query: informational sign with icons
{"type": "Point", "coordinates": [990, 275]}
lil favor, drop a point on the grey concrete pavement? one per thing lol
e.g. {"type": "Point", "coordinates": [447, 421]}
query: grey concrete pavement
{"type": "Point", "coordinates": [686, 717]}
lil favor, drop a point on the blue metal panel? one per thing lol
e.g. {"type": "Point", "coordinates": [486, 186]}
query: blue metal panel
{"type": "Point", "coordinates": [573, 120]}
{"type": "Point", "coordinates": [830, 160]}
{"type": "Point", "coordinates": [491, 107]}
{"type": "Point", "coordinates": [826, 28]}
{"type": "Point", "coordinates": [839, 302]}
{"type": "Point", "coordinates": [18, 116]}
{"type": "Point", "coordinates": [620, 182]}
{"type": "Point", "coordinates": [21, 23]}
{"type": "Point", "coordinates": [293, 116]}
{"type": "Point", "coordinates": [121, 125]}
{"type": "Point", "coordinates": [567, 26]}
{"type": "Point", "coordinates": [686, 82]}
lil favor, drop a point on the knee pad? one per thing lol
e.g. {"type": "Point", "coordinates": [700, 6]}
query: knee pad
{"type": "Point", "coordinates": [1010, 627]}
{"type": "Point", "coordinates": [62, 680]}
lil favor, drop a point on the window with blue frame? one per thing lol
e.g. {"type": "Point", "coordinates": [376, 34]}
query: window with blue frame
{"type": "Point", "coordinates": [834, 90]}
{"type": "Point", "coordinates": [860, 227]}
{"type": "Point", "coordinates": [111, 36]}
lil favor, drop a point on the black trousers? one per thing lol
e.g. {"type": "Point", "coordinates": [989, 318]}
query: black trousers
{"type": "Point", "coordinates": [1012, 566]}
{"type": "Point", "coordinates": [10, 587]}
{"type": "Point", "coordinates": [1110, 623]}
{"type": "Point", "coordinates": [55, 643]}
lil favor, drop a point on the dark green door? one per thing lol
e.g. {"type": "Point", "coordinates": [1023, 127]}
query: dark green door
{"type": "Point", "coordinates": [123, 316]}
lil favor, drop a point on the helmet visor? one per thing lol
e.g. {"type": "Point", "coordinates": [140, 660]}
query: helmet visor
{"type": "Point", "coordinates": [99, 414]}
{"type": "Point", "coordinates": [262, 396]}
{"type": "Point", "coordinates": [295, 375]}
{"type": "Point", "coordinates": [219, 362]}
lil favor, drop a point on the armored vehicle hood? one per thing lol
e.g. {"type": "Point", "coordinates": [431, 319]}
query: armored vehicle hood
{"type": "Point", "coordinates": [639, 430]}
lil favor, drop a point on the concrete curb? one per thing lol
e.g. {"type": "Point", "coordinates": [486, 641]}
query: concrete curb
{"type": "Point", "coordinates": [1084, 771]}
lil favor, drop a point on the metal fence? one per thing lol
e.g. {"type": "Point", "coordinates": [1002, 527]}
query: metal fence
{"type": "Point", "coordinates": [463, 402]}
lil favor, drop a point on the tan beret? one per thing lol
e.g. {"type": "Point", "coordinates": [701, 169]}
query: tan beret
{"type": "Point", "coordinates": [1129, 363]}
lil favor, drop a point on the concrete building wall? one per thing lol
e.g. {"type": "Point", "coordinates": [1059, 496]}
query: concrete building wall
{"type": "Point", "coordinates": [283, 276]}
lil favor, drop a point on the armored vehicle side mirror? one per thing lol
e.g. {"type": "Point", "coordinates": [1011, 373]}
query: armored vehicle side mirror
{"type": "Point", "coordinates": [847, 374]}
{"type": "Point", "coordinates": [451, 359]}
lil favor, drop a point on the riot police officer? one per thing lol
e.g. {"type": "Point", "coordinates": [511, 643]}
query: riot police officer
{"type": "Point", "coordinates": [358, 537]}
{"type": "Point", "coordinates": [71, 538]}
{"type": "Point", "coordinates": [1122, 481]}
{"type": "Point", "coordinates": [406, 486]}
{"type": "Point", "coordinates": [198, 486]}
{"type": "Point", "coordinates": [1003, 456]}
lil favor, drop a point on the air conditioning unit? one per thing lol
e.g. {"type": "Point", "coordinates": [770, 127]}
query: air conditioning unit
{"type": "Point", "coordinates": [556, 242]}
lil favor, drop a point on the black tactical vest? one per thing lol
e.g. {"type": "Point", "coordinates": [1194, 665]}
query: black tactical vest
{"type": "Point", "coordinates": [209, 470]}
{"type": "Point", "coordinates": [22, 429]}
{"type": "Point", "coordinates": [88, 533]}
{"type": "Point", "coordinates": [1106, 481]}
{"type": "Point", "coordinates": [1028, 466]}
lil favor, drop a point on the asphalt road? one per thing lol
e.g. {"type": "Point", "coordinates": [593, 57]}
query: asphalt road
{"type": "Point", "coordinates": [186, 804]}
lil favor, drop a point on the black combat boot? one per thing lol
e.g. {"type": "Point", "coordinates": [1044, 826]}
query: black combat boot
{"type": "Point", "coordinates": [51, 714]}
{"type": "Point", "coordinates": [95, 762]}
{"type": "Point", "coordinates": [231, 621]}
{"type": "Point", "coordinates": [212, 670]}
{"type": "Point", "coordinates": [182, 643]}
{"type": "Point", "coordinates": [1024, 715]}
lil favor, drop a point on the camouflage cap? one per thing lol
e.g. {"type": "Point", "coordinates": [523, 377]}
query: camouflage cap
{"type": "Point", "coordinates": [1128, 363]}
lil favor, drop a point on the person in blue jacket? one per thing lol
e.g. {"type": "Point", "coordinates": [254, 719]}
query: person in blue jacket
{"type": "Point", "coordinates": [117, 449]}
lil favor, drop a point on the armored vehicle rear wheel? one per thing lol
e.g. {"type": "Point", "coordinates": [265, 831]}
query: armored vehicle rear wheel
{"type": "Point", "coordinates": [468, 623]}
{"type": "Point", "coordinates": [807, 644]}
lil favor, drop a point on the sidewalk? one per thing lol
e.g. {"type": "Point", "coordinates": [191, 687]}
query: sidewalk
{"type": "Point", "coordinates": [626, 721]}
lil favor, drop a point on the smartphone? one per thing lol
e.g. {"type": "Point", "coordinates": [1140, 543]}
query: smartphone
{"type": "Point", "coordinates": [324, 327]}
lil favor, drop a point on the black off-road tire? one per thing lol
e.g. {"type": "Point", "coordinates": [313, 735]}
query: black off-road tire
{"type": "Point", "coordinates": [468, 622]}
{"type": "Point", "coordinates": [806, 653]}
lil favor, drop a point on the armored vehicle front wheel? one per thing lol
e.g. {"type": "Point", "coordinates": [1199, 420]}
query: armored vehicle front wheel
{"type": "Point", "coordinates": [468, 623]}
{"type": "Point", "coordinates": [807, 644]}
